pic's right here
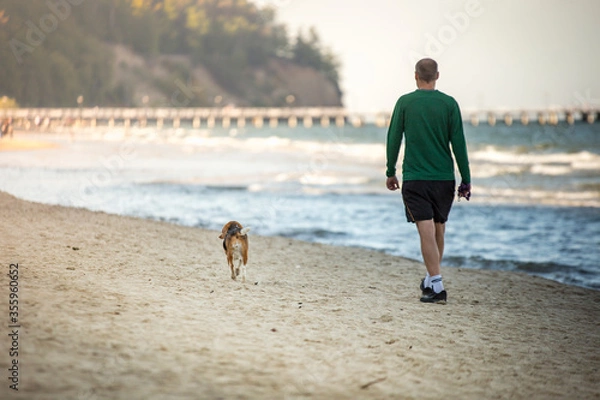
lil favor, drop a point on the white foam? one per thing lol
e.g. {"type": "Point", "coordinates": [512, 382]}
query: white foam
{"type": "Point", "coordinates": [553, 170]}
{"type": "Point", "coordinates": [491, 154]}
{"type": "Point", "coordinates": [492, 162]}
{"type": "Point", "coordinates": [324, 179]}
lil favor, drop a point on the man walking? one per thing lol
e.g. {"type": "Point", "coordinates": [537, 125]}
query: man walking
{"type": "Point", "coordinates": [431, 122]}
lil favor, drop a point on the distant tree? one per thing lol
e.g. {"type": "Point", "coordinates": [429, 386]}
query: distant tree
{"type": "Point", "coordinates": [308, 50]}
{"type": "Point", "coordinates": [231, 38]}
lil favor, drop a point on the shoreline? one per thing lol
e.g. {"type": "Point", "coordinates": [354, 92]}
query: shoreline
{"type": "Point", "coordinates": [448, 264]}
{"type": "Point", "coordinates": [136, 308]}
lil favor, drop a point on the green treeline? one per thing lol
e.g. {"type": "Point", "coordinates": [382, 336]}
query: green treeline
{"type": "Point", "coordinates": [52, 51]}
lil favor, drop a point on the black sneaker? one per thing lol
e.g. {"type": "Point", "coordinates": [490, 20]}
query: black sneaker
{"type": "Point", "coordinates": [425, 290]}
{"type": "Point", "coordinates": [433, 297]}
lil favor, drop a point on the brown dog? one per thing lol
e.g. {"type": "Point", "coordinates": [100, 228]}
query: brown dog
{"type": "Point", "coordinates": [235, 244]}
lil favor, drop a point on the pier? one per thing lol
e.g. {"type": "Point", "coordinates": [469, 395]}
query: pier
{"type": "Point", "coordinates": [226, 117]}
{"type": "Point", "coordinates": [235, 117]}
{"type": "Point", "coordinates": [552, 116]}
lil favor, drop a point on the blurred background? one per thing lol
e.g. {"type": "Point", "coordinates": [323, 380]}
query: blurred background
{"type": "Point", "coordinates": [357, 53]}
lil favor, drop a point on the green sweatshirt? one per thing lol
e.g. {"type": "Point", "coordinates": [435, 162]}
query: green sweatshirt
{"type": "Point", "coordinates": [431, 121]}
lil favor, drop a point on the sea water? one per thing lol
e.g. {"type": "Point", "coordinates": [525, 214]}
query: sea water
{"type": "Point", "coordinates": [535, 205]}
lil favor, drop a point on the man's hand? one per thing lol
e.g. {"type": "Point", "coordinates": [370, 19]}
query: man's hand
{"type": "Point", "coordinates": [464, 190]}
{"type": "Point", "coordinates": [392, 183]}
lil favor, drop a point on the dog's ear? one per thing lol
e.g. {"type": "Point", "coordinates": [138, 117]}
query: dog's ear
{"type": "Point", "coordinates": [224, 230]}
{"type": "Point", "coordinates": [245, 231]}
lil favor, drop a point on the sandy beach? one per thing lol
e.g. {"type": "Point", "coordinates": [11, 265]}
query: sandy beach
{"type": "Point", "coordinates": [10, 144]}
{"type": "Point", "coordinates": [114, 307]}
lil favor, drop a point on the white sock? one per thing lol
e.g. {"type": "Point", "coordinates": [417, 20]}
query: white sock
{"type": "Point", "coordinates": [427, 281]}
{"type": "Point", "coordinates": [437, 284]}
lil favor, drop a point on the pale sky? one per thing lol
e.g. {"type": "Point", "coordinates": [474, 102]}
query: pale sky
{"type": "Point", "coordinates": [491, 53]}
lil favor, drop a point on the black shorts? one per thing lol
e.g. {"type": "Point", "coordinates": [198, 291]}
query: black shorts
{"type": "Point", "coordinates": [425, 200]}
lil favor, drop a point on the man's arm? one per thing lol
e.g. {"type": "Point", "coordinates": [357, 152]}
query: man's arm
{"type": "Point", "coordinates": [394, 139]}
{"type": "Point", "coordinates": [459, 145]}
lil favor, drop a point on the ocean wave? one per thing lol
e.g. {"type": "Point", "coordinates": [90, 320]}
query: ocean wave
{"type": "Point", "coordinates": [312, 234]}
{"type": "Point", "coordinates": [506, 195]}
{"type": "Point", "coordinates": [578, 160]}
{"type": "Point", "coordinates": [575, 275]}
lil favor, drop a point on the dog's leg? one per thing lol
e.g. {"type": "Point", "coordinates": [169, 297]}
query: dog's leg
{"type": "Point", "coordinates": [233, 274]}
{"type": "Point", "coordinates": [230, 263]}
{"type": "Point", "coordinates": [241, 268]}
{"type": "Point", "coordinates": [244, 260]}
{"type": "Point", "coordinates": [243, 272]}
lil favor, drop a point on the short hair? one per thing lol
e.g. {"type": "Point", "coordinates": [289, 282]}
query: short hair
{"type": "Point", "coordinates": [426, 69]}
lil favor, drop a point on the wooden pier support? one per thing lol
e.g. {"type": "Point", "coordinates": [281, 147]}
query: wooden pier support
{"type": "Point", "coordinates": [380, 121]}
{"type": "Point", "coordinates": [210, 122]}
{"type": "Point", "coordinates": [590, 117]}
{"type": "Point", "coordinates": [356, 121]}
{"type": "Point", "coordinates": [307, 122]}
{"type": "Point", "coordinates": [542, 118]}
{"type": "Point", "coordinates": [474, 119]}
